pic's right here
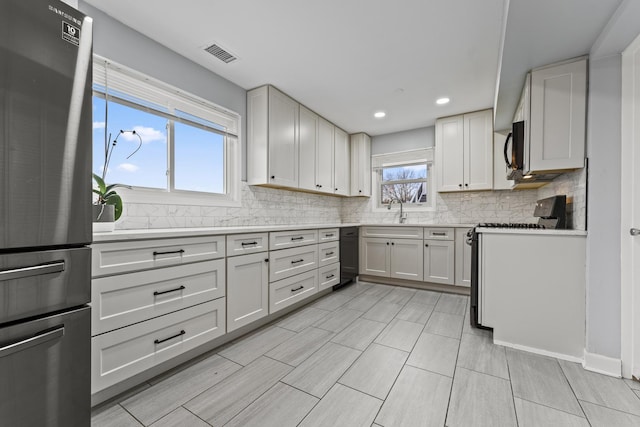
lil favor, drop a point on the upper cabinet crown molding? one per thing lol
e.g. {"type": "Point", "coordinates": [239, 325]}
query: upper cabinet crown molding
{"type": "Point", "coordinates": [464, 152]}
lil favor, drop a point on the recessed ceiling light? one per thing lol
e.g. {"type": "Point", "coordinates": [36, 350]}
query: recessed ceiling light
{"type": "Point", "coordinates": [379, 114]}
{"type": "Point", "coordinates": [442, 101]}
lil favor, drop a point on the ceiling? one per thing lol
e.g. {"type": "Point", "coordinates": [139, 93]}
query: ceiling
{"type": "Point", "coordinates": [348, 59]}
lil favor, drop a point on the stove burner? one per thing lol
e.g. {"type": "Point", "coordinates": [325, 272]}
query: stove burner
{"type": "Point", "coordinates": [511, 225]}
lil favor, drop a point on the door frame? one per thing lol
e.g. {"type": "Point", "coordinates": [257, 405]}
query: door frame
{"type": "Point", "coordinates": [630, 205]}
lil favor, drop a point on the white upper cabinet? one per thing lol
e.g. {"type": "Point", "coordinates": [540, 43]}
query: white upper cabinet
{"type": "Point", "coordinates": [464, 152]}
{"type": "Point", "coordinates": [308, 141]}
{"type": "Point", "coordinates": [324, 156]}
{"type": "Point", "coordinates": [361, 165]}
{"type": "Point", "coordinates": [272, 144]}
{"type": "Point", "coordinates": [342, 172]}
{"type": "Point", "coordinates": [558, 117]}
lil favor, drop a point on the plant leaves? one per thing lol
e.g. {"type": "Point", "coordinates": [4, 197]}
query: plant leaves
{"type": "Point", "coordinates": [116, 201]}
{"type": "Point", "coordinates": [101, 185]}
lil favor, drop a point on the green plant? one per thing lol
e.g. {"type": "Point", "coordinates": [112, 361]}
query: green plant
{"type": "Point", "coordinates": [108, 196]}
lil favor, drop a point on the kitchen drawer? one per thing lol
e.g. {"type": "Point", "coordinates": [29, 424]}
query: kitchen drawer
{"type": "Point", "coordinates": [122, 300]}
{"type": "Point", "coordinates": [285, 292]}
{"type": "Point", "coordinates": [328, 234]}
{"type": "Point", "coordinates": [123, 353]}
{"type": "Point", "coordinates": [289, 262]}
{"type": "Point", "coordinates": [328, 253]}
{"type": "Point", "coordinates": [328, 276]}
{"type": "Point", "coordinates": [399, 232]}
{"type": "Point", "coordinates": [123, 257]}
{"type": "Point", "coordinates": [290, 239]}
{"type": "Point", "coordinates": [439, 233]}
{"type": "Point", "coordinates": [240, 244]}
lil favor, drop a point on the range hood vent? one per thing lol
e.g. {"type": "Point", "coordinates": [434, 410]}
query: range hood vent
{"type": "Point", "coordinates": [221, 53]}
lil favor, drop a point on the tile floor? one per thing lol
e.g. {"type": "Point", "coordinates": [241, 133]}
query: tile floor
{"type": "Point", "coordinates": [376, 355]}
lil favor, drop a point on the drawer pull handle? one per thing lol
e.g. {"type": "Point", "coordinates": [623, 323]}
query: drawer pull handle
{"type": "Point", "coordinates": [35, 270]}
{"type": "Point", "coordinates": [179, 288]}
{"type": "Point", "coordinates": [179, 251]}
{"type": "Point", "coordinates": [293, 239]}
{"type": "Point", "coordinates": [182, 332]}
{"type": "Point", "coordinates": [35, 340]}
{"type": "Point", "coordinates": [328, 235]}
{"type": "Point", "coordinates": [329, 253]}
{"type": "Point", "coordinates": [297, 261]}
{"type": "Point", "coordinates": [436, 233]}
{"type": "Point", "coordinates": [330, 276]}
{"type": "Point", "coordinates": [297, 289]}
{"type": "Point", "coordinates": [249, 243]}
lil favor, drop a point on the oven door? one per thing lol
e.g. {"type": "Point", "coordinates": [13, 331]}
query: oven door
{"type": "Point", "coordinates": [45, 371]}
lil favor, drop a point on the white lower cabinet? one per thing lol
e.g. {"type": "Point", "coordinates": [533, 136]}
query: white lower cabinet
{"type": "Point", "coordinates": [328, 276]}
{"type": "Point", "coordinates": [328, 253]}
{"type": "Point", "coordinates": [247, 289]}
{"type": "Point", "coordinates": [288, 291]}
{"type": "Point", "coordinates": [375, 256]}
{"type": "Point", "coordinates": [462, 258]}
{"type": "Point", "coordinates": [439, 261]}
{"type": "Point", "coordinates": [289, 262]}
{"type": "Point", "coordinates": [122, 353]}
{"type": "Point", "coordinates": [406, 259]}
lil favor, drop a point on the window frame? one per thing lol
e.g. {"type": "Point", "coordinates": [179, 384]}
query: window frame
{"type": "Point", "coordinates": [400, 159]}
{"type": "Point", "coordinates": [164, 100]}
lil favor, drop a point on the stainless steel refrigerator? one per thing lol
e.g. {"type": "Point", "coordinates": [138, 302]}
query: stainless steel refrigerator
{"type": "Point", "coordinates": [45, 219]}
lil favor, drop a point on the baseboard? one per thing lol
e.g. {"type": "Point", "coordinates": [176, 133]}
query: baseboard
{"type": "Point", "coordinates": [541, 352]}
{"type": "Point", "coordinates": [602, 364]}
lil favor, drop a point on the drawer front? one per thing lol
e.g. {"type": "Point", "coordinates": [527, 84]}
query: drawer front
{"type": "Point", "coordinates": [124, 257]}
{"type": "Point", "coordinates": [328, 276]}
{"type": "Point", "coordinates": [439, 233]}
{"type": "Point", "coordinates": [328, 234]}
{"type": "Point", "coordinates": [240, 244]}
{"type": "Point", "coordinates": [289, 262]}
{"type": "Point", "coordinates": [291, 290]}
{"type": "Point", "coordinates": [291, 239]}
{"type": "Point", "coordinates": [122, 300]}
{"type": "Point", "coordinates": [400, 232]}
{"type": "Point", "coordinates": [123, 353]}
{"type": "Point", "coordinates": [328, 253]}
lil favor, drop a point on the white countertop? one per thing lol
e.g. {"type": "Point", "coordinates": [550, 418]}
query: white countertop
{"type": "Point", "coordinates": [531, 231]}
{"type": "Point", "coordinates": [161, 233]}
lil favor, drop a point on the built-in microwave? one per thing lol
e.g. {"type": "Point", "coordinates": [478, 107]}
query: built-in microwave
{"type": "Point", "coordinates": [515, 158]}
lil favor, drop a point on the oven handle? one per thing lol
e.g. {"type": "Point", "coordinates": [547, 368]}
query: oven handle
{"type": "Point", "coordinates": [36, 270]}
{"type": "Point", "coordinates": [38, 339]}
{"type": "Point", "coordinates": [506, 145]}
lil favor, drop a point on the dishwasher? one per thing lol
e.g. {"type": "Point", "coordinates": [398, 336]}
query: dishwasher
{"type": "Point", "coordinates": [348, 255]}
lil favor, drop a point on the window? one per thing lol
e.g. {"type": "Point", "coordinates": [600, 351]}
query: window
{"type": "Point", "coordinates": [168, 146]}
{"type": "Point", "coordinates": [404, 177]}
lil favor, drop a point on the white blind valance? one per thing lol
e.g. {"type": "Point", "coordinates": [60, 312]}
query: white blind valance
{"type": "Point", "coordinates": [423, 155]}
{"type": "Point", "coordinates": [122, 82]}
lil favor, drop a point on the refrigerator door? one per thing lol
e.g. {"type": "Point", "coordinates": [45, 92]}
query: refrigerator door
{"type": "Point", "coordinates": [45, 125]}
{"type": "Point", "coordinates": [55, 352]}
{"type": "Point", "coordinates": [36, 283]}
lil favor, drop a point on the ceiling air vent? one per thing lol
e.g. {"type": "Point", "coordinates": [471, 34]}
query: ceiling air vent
{"type": "Point", "coordinates": [220, 53]}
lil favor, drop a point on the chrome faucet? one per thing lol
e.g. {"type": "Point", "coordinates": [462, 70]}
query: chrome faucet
{"type": "Point", "coordinates": [403, 216]}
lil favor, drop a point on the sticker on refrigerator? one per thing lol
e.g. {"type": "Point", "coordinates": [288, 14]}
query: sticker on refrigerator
{"type": "Point", "coordinates": [70, 33]}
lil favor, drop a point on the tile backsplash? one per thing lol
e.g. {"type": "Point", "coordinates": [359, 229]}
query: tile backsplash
{"type": "Point", "coordinates": [269, 206]}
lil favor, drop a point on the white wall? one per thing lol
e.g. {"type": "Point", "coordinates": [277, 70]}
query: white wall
{"type": "Point", "coordinates": [403, 141]}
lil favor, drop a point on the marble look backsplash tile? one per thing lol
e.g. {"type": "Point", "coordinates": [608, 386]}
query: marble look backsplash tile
{"type": "Point", "coordinates": [269, 206]}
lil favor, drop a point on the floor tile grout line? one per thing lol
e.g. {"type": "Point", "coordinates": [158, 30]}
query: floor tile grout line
{"type": "Point", "coordinates": [133, 416]}
{"type": "Point", "coordinates": [566, 378]}
{"type": "Point", "coordinates": [556, 409]}
{"type": "Point", "coordinates": [209, 424]}
{"type": "Point", "coordinates": [513, 395]}
{"type": "Point", "coordinates": [256, 399]}
{"type": "Point", "coordinates": [606, 407]}
{"type": "Point", "coordinates": [453, 378]}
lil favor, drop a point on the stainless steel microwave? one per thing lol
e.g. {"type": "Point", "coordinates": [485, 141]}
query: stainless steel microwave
{"type": "Point", "coordinates": [515, 158]}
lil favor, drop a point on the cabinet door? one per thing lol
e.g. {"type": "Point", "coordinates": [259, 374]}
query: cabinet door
{"type": "Point", "coordinates": [360, 165]}
{"type": "Point", "coordinates": [558, 115]}
{"type": "Point", "coordinates": [449, 153]}
{"type": "Point", "coordinates": [342, 162]}
{"type": "Point", "coordinates": [325, 156]}
{"type": "Point", "coordinates": [374, 256]}
{"type": "Point", "coordinates": [406, 259]}
{"type": "Point", "coordinates": [283, 139]}
{"type": "Point", "coordinates": [247, 289]}
{"type": "Point", "coordinates": [478, 150]}
{"type": "Point", "coordinates": [439, 261]}
{"type": "Point", "coordinates": [308, 141]}
{"type": "Point", "coordinates": [462, 258]}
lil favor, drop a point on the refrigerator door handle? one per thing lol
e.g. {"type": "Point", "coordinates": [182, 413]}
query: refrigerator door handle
{"type": "Point", "coordinates": [38, 339]}
{"type": "Point", "coordinates": [36, 270]}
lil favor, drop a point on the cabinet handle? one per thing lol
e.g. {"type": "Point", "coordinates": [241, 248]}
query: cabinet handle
{"type": "Point", "coordinates": [179, 251]}
{"type": "Point", "coordinates": [466, 185]}
{"type": "Point", "coordinates": [426, 246]}
{"type": "Point", "coordinates": [249, 243]}
{"type": "Point", "coordinates": [328, 235]}
{"type": "Point", "coordinates": [392, 243]}
{"type": "Point", "coordinates": [460, 185]}
{"type": "Point", "coordinates": [336, 189]}
{"type": "Point", "coordinates": [387, 243]}
{"type": "Point", "coordinates": [297, 261]}
{"type": "Point", "coordinates": [179, 288]}
{"type": "Point", "coordinates": [359, 191]}
{"type": "Point", "coordinates": [293, 239]}
{"type": "Point", "coordinates": [330, 276]}
{"type": "Point", "coordinates": [297, 289]}
{"type": "Point", "coordinates": [439, 233]}
{"type": "Point", "coordinates": [329, 253]}
{"type": "Point", "coordinates": [273, 177]}
{"type": "Point", "coordinates": [182, 332]}
{"type": "Point", "coordinates": [266, 260]}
